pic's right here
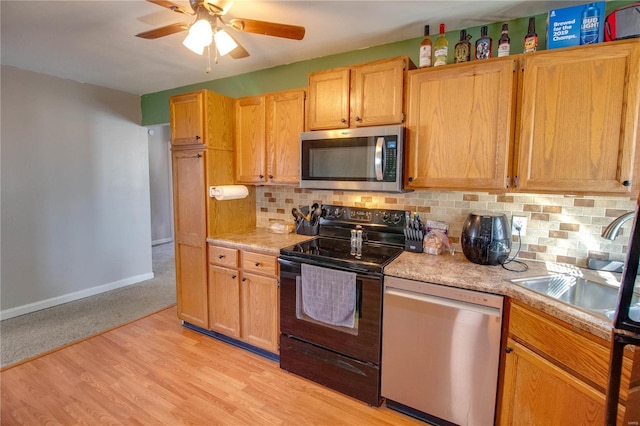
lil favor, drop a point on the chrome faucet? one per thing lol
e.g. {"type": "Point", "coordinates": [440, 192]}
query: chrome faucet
{"type": "Point", "coordinates": [611, 231]}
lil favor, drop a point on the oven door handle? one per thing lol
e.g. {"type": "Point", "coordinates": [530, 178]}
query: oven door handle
{"type": "Point", "coordinates": [379, 158]}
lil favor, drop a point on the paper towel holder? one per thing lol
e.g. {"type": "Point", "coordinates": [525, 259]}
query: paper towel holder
{"type": "Point", "coordinates": [228, 192]}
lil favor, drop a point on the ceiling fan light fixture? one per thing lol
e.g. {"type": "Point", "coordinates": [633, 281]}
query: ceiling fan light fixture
{"type": "Point", "coordinates": [224, 42]}
{"type": "Point", "coordinates": [200, 35]}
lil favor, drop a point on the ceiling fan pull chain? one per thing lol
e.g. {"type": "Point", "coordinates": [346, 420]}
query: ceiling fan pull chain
{"type": "Point", "coordinates": [209, 56]}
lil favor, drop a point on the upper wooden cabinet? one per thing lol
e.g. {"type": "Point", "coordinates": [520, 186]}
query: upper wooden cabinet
{"type": "Point", "coordinates": [579, 119]}
{"type": "Point", "coordinates": [250, 140]}
{"type": "Point", "coordinates": [201, 118]}
{"type": "Point", "coordinates": [459, 126]}
{"type": "Point", "coordinates": [268, 137]}
{"type": "Point", "coordinates": [285, 122]}
{"type": "Point", "coordinates": [365, 95]}
{"type": "Point", "coordinates": [575, 129]}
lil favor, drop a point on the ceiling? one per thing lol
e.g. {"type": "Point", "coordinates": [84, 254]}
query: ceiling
{"type": "Point", "coordinates": [93, 41]}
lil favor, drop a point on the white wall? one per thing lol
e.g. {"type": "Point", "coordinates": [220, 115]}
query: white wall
{"type": "Point", "coordinates": [75, 217]}
{"type": "Point", "coordinates": [160, 181]}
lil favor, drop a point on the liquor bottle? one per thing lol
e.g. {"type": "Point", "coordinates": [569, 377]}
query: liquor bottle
{"type": "Point", "coordinates": [531, 39]}
{"type": "Point", "coordinates": [425, 49]}
{"type": "Point", "coordinates": [462, 49]}
{"type": "Point", "coordinates": [484, 44]}
{"type": "Point", "coordinates": [590, 26]}
{"type": "Point", "coordinates": [440, 49]}
{"type": "Point", "coordinates": [504, 43]}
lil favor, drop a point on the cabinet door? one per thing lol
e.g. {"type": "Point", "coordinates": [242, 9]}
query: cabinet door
{"type": "Point", "coordinates": [378, 91]}
{"type": "Point", "coordinates": [329, 99]}
{"type": "Point", "coordinates": [224, 301]}
{"type": "Point", "coordinates": [285, 121]}
{"type": "Point", "coordinates": [579, 119]}
{"type": "Point", "coordinates": [187, 119]}
{"type": "Point", "coordinates": [250, 140]}
{"type": "Point", "coordinates": [190, 236]}
{"type": "Point", "coordinates": [538, 392]}
{"type": "Point", "coordinates": [260, 301]}
{"type": "Point", "coordinates": [460, 126]}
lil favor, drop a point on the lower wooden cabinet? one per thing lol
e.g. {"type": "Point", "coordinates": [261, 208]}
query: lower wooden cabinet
{"type": "Point", "coordinates": [556, 375]}
{"type": "Point", "coordinates": [539, 392]}
{"type": "Point", "coordinates": [190, 235]}
{"type": "Point", "coordinates": [243, 296]}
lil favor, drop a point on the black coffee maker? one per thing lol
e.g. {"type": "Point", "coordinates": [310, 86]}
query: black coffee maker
{"type": "Point", "coordinates": [486, 238]}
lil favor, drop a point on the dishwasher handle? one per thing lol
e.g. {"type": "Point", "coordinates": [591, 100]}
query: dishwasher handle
{"type": "Point", "coordinates": [452, 303]}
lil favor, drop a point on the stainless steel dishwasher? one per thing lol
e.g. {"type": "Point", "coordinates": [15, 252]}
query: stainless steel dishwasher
{"type": "Point", "coordinates": [440, 352]}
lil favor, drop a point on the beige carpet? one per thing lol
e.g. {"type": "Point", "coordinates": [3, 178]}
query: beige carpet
{"type": "Point", "coordinates": [32, 334]}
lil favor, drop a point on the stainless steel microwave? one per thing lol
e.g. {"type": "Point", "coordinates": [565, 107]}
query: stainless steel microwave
{"type": "Point", "coordinates": [362, 159]}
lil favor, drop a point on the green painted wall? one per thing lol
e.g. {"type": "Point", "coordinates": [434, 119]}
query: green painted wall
{"type": "Point", "coordinates": [155, 106]}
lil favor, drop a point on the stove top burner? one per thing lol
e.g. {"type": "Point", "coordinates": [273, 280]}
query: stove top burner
{"type": "Point", "coordinates": [383, 239]}
{"type": "Point", "coordinates": [338, 252]}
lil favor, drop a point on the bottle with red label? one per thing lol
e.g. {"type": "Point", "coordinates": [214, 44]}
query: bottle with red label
{"type": "Point", "coordinates": [531, 39]}
{"type": "Point", "coordinates": [504, 43]}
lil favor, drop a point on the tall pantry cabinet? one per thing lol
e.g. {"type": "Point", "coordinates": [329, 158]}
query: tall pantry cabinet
{"type": "Point", "coordinates": [202, 156]}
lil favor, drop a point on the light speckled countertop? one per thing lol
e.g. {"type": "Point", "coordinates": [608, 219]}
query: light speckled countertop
{"type": "Point", "coordinates": [259, 239]}
{"type": "Point", "coordinates": [457, 271]}
{"type": "Point", "coordinates": [454, 271]}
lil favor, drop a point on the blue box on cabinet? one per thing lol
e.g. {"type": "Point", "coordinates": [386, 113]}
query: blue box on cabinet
{"type": "Point", "coordinates": [576, 25]}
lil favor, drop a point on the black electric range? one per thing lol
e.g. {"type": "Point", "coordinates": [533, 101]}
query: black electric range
{"type": "Point", "coordinates": [344, 358]}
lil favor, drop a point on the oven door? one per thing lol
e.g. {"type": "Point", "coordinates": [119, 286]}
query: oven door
{"type": "Point", "coordinates": [361, 342]}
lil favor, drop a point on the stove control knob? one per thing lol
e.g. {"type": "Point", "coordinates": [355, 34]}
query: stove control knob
{"type": "Point", "coordinates": [386, 216]}
{"type": "Point", "coordinates": [397, 217]}
{"type": "Point", "coordinates": [338, 212]}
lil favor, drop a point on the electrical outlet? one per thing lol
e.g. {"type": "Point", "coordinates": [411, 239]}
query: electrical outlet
{"type": "Point", "coordinates": [519, 222]}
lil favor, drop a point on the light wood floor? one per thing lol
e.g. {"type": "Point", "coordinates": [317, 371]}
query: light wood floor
{"type": "Point", "coordinates": [155, 371]}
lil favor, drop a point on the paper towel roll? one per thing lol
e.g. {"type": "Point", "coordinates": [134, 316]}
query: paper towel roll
{"type": "Point", "coordinates": [228, 192]}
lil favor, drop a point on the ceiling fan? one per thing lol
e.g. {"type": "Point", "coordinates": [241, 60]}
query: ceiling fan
{"type": "Point", "coordinates": [209, 28]}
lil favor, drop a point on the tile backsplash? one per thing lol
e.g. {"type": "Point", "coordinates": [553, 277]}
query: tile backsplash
{"type": "Point", "coordinates": [559, 228]}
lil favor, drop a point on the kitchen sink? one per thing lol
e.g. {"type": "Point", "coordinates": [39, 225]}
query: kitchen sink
{"type": "Point", "coordinates": [590, 296]}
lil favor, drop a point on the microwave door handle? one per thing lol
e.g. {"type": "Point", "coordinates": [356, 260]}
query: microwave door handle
{"type": "Point", "coordinates": [378, 160]}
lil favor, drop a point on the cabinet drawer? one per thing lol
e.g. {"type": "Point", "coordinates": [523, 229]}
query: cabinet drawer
{"type": "Point", "coordinates": [584, 355]}
{"type": "Point", "coordinates": [259, 263]}
{"type": "Point", "coordinates": [223, 256]}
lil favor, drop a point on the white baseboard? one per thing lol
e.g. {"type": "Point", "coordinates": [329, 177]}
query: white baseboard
{"type": "Point", "coordinates": [161, 241]}
{"type": "Point", "coordinates": [44, 304]}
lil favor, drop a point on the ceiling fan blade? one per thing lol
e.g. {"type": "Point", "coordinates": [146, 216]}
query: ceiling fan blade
{"type": "Point", "coordinates": [239, 52]}
{"type": "Point", "coordinates": [268, 28]}
{"type": "Point", "coordinates": [171, 5]}
{"type": "Point", "coordinates": [164, 31]}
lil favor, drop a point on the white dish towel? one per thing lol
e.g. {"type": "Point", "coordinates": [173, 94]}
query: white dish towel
{"type": "Point", "coordinates": [328, 295]}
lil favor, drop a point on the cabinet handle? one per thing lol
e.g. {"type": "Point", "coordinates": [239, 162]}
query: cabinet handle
{"type": "Point", "coordinates": [244, 279]}
{"type": "Point", "coordinates": [257, 263]}
{"type": "Point", "coordinates": [358, 118]}
{"type": "Point", "coordinates": [270, 176]}
{"type": "Point", "coordinates": [233, 277]}
{"type": "Point", "coordinates": [198, 138]}
{"type": "Point", "coordinates": [221, 256]}
{"type": "Point", "coordinates": [343, 120]}
{"type": "Point", "coordinates": [410, 179]}
{"type": "Point", "coordinates": [198, 155]}
{"type": "Point", "coordinates": [508, 350]}
{"type": "Point", "coordinates": [261, 177]}
{"type": "Point", "coordinates": [627, 183]}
